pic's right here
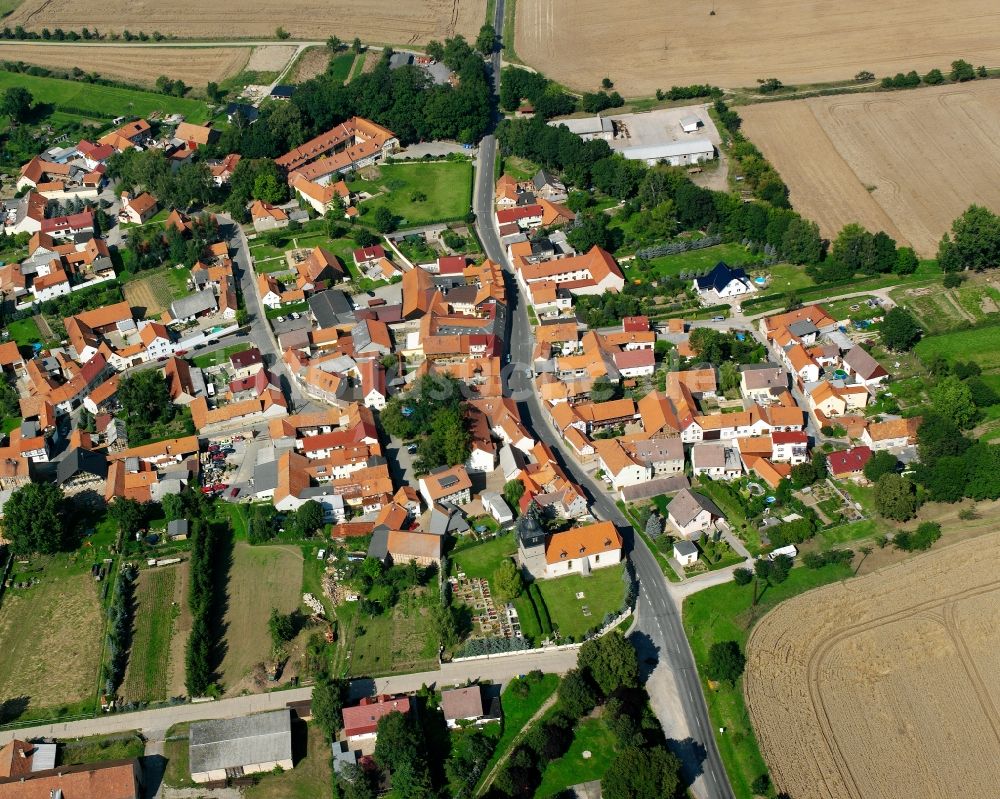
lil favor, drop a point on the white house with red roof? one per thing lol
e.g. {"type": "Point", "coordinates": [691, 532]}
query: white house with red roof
{"type": "Point", "coordinates": [361, 720]}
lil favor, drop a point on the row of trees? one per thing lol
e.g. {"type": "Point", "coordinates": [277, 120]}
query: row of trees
{"type": "Point", "coordinates": [120, 612]}
{"type": "Point", "coordinates": [206, 561]}
{"type": "Point", "coordinates": [961, 71]}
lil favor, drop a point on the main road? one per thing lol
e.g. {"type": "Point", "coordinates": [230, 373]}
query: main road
{"type": "Point", "coordinates": [675, 688]}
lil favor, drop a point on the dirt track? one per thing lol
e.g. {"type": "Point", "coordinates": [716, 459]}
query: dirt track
{"type": "Point", "coordinates": [196, 66]}
{"type": "Point", "coordinates": [881, 687]}
{"type": "Point", "coordinates": [377, 21]}
{"type": "Point", "coordinates": [644, 45]}
{"type": "Point", "coordinates": [904, 162]}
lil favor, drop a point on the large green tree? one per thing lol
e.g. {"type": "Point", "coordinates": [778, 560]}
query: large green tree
{"type": "Point", "coordinates": [725, 662]}
{"type": "Point", "coordinates": [642, 773]}
{"type": "Point", "coordinates": [952, 399]}
{"type": "Point", "coordinates": [896, 497]}
{"type": "Point", "coordinates": [611, 661]}
{"type": "Point", "coordinates": [899, 329]}
{"type": "Point", "coordinates": [974, 241]}
{"type": "Point", "coordinates": [16, 103]}
{"type": "Point", "coordinates": [327, 704]}
{"type": "Point", "coordinates": [802, 243]}
{"type": "Point", "coordinates": [35, 520]}
{"type": "Point", "coordinates": [882, 462]}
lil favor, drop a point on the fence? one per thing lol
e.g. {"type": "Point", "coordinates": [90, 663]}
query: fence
{"type": "Point", "coordinates": [676, 247]}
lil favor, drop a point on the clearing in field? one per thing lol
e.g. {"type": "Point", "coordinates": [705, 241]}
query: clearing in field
{"type": "Point", "coordinates": [260, 578]}
{"type": "Point", "coordinates": [103, 102]}
{"type": "Point", "coordinates": [155, 290]}
{"type": "Point", "coordinates": [892, 162]}
{"type": "Point", "coordinates": [378, 21]}
{"type": "Point", "coordinates": [157, 601]}
{"type": "Point", "coordinates": [58, 615]}
{"type": "Point", "coordinates": [142, 65]}
{"type": "Point", "coordinates": [644, 46]}
{"type": "Point", "coordinates": [981, 345]}
{"type": "Point", "coordinates": [882, 687]}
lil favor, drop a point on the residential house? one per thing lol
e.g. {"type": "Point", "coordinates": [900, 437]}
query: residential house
{"type": "Point", "coordinates": [849, 463]}
{"type": "Point", "coordinates": [353, 144]}
{"type": "Point", "coordinates": [664, 456]}
{"type": "Point", "coordinates": [692, 513]}
{"type": "Point", "coordinates": [361, 720]}
{"type": "Point", "coordinates": [891, 434]}
{"type": "Point", "coordinates": [864, 368]}
{"type": "Point", "coordinates": [112, 779]}
{"type": "Point", "coordinates": [762, 382]}
{"type": "Point", "coordinates": [716, 460]}
{"type": "Point", "coordinates": [189, 308]}
{"type": "Point", "coordinates": [468, 706]}
{"type": "Point", "coordinates": [403, 546]}
{"type": "Point", "coordinates": [790, 447]}
{"type": "Point", "coordinates": [137, 210]}
{"type": "Point", "coordinates": [266, 216]}
{"type": "Point", "coordinates": [374, 393]}
{"type": "Point", "coordinates": [619, 467]}
{"type": "Point", "coordinates": [447, 485]}
{"type": "Point", "coordinates": [831, 400]}
{"type": "Point", "coordinates": [723, 283]}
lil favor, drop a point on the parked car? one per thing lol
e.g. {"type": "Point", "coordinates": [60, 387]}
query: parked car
{"type": "Point", "coordinates": [181, 352]}
{"type": "Point", "coordinates": [280, 319]}
{"type": "Point", "coordinates": [296, 315]}
{"type": "Point", "coordinates": [411, 448]}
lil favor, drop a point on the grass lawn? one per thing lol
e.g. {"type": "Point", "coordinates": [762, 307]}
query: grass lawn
{"type": "Point", "coordinates": [845, 533]}
{"type": "Point", "coordinates": [175, 750]}
{"type": "Point", "coordinates": [701, 260]}
{"type": "Point", "coordinates": [821, 292]}
{"type": "Point", "coordinates": [10, 424]}
{"type": "Point", "coordinates": [309, 779]}
{"type": "Point", "coordinates": [149, 660]}
{"type": "Point", "coordinates": [518, 710]}
{"type": "Point", "coordinates": [68, 602]}
{"type": "Point", "coordinates": [591, 735]}
{"type": "Point", "coordinates": [218, 356]}
{"type": "Point", "coordinates": [723, 613]}
{"type": "Point", "coordinates": [101, 748]}
{"type": "Point", "coordinates": [102, 101]}
{"type": "Point", "coordinates": [400, 640]}
{"type": "Point", "coordinates": [519, 168]}
{"type": "Point", "coordinates": [261, 578]}
{"type": "Point", "coordinates": [784, 277]}
{"type": "Point", "coordinates": [447, 186]}
{"type": "Point", "coordinates": [260, 248]}
{"type": "Point", "coordinates": [286, 310]}
{"type": "Point", "coordinates": [981, 345]}
{"type": "Point", "coordinates": [603, 592]}
{"type": "Point", "coordinates": [340, 67]}
{"type": "Point", "coordinates": [733, 511]}
{"type": "Point", "coordinates": [482, 559]}
{"type": "Point", "coordinates": [25, 331]}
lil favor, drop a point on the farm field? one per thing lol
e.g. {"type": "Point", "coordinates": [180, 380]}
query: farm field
{"type": "Point", "coordinates": [939, 310]}
{"type": "Point", "coordinates": [885, 160]}
{"type": "Point", "coordinates": [60, 614]}
{"type": "Point", "coordinates": [380, 21]}
{"type": "Point", "coordinates": [156, 289]}
{"type": "Point", "coordinates": [181, 630]}
{"type": "Point", "coordinates": [104, 102]}
{"type": "Point", "coordinates": [142, 65]}
{"type": "Point", "coordinates": [881, 688]}
{"type": "Point", "coordinates": [674, 43]}
{"type": "Point", "coordinates": [446, 186]}
{"type": "Point", "coordinates": [148, 672]}
{"type": "Point", "coordinates": [260, 578]}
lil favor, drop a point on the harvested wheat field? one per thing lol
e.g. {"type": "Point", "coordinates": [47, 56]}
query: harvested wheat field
{"type": "Point", "coordinates": [196, 66]}
{"type": "Point", "coordinates": [906, 162]}
{"type": "Point", "coordinates": [645, 45]}
{"type": "Point", "coordinates": [883, 687]}
{"type": "Point", "coordinates": [377, 21]}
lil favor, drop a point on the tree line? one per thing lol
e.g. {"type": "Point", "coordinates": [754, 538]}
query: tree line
{"type": "Point", "coordinates": [207, 568]}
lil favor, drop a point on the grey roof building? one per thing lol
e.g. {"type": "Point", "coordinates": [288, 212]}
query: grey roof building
{"type": "Point", "coordinates": [224, 748]}
{"type": "Point", "coordinates": [193, 305]}
{"type": "Point", "coordinates": [331, 308]}
{"type": "Point", "coordinates": [81, 464]}
{"type": "Point", "coordinates": [178, 528]}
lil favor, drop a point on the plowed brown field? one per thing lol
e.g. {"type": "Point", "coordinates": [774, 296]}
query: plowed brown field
{"type": "Point", "coordinates": [644, 45]}
{"type": "Point", "coordinates": [195, 66]}
{"type": "Point", "coordinates": [388, 21]}
{"type": "Point", "coordinates": [884, 687]}
{"type": "Point", "coordinates": [906, 162]}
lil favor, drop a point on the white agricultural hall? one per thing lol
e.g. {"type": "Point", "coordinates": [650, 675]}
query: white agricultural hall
{"type": "Point", "coordinates": [232, 748]}
{"type": "Point", "coordinates": [674, 153]}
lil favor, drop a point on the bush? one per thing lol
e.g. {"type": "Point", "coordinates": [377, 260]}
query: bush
{"type": "Point", "coordinates": [921, 539]}
{"type": "Point", "coordinates": [540, 609]}
{"type": "Point", "coordinates": [817, 560]}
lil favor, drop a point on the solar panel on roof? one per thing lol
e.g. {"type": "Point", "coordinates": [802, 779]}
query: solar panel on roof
{"type": "Point", "coordinates": [450, 480]}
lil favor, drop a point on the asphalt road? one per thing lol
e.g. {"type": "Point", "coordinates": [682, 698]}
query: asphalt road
{"type": "Point", "coordinates": [153, 723]}
{"type": "Point", "coordinates": [658, 625]}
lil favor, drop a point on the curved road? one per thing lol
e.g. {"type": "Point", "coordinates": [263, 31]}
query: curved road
{"type": "Point", "coordinates": [658, 616]}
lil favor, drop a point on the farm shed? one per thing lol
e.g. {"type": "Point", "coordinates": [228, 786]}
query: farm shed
{"type": "Point", "coordinates": [225, 748]}
{"type": "Point", "coordinates": [674, 153]}
{"type": "Point", "coordinates": [177, 530]}
{"type": "Point", "coordinates": [690, 123]}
